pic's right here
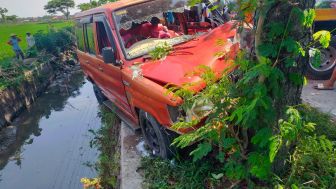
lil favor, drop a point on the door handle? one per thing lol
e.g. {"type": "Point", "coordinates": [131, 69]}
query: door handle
{"type": "Point", "coordinates": [100, 69]}
{"type": "Point", "coordinates": [87, 62]}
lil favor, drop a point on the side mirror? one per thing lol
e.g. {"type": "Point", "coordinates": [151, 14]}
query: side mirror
{"type": "Point", "coordinates": [109, 57]}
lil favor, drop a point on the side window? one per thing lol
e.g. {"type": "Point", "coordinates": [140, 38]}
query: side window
{"type": "Point", "coordinates": [102, 38]}
{"type": "Point", "coordinates": [89, 38]}
{"type": "Point", "coordinates": [79, 36]}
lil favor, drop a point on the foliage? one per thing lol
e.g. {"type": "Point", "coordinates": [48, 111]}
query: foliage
{"type": "Point", "coordinates": [325, 125]}
{"type": "Point", "coordinates": [93, 4]}
{"type": "Point", "coordinates": [312, 165]}
{"type": "Point", "coordinates": [63, 6]}
{"type": "Point", "coordinates": [253, 124]}
{"type": "Point", "coordinates": [161, 51]}
{"type": "Point", "coordinates": [55, 41]}
{"type": "Point", "coordinates": [11, 74]}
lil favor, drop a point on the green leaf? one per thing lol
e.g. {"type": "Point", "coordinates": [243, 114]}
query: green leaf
{"type": "Point", "coordinates": [234, 170]}
{"type": "Point", "coordinates": [299, 14]}
{"type": "Point", "coordinates": [290, 44]}
{"type": "Point", "coordinates": [268, 50]}
{"type": "Point", "coordinates": [309, 17]}
{"type": "Point", "coordinates": [296, 78]}
{"type": "Point", "coordinates": [276, 29]}
{"type": "Point", "coordinates": [217, 176]}
{"type": "Point", "coordinates": [261, 138]}
{"type": "Point", "coordinates": [202, 150]}
{"type": "Point", "coordinates": [293, 186]}
{"type": "Point", "coordinates": [228, 142]}
{"type": "Point", "coordinates": [290, 62]}
{"type": "Point", "coordinates": [315, 57]}
{"type": "Point", "coordinates": [275, 145]}
{"type": "Point", "coordinates": [260, 165]}
{"type": "Point", "coordinates": [221, 157]}
{"type": "Point", "coordinates": [323, 37]}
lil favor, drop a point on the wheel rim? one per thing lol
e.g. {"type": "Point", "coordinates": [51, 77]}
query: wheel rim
{"type": "Point", "coordinates": [152, 137]}
{"type": "Point", "coordinates": [328, 60]}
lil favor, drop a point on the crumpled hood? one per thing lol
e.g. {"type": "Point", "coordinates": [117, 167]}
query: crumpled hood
{"type": "Point", "coordinates": [186, 57]}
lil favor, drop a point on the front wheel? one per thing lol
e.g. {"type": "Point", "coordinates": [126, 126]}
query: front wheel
{"type": "Point", "coordinates": [325, 69]}
{"type": "Point", "coordinates": [99, 95]}
{"type": "Point", "coordinates": [156, 137]}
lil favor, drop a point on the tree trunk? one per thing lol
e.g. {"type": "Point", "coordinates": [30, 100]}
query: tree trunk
{"type": "Point", "coordinates": [281, 12]}
{"type": "Point", "coordinates": [67, 13]}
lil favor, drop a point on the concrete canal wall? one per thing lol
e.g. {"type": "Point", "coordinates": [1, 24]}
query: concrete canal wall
{"type": "Point", "coordinates": [14, 100]}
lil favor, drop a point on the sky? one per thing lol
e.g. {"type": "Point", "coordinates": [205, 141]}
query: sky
{"type": "Point", "coordinates": [30, 8]}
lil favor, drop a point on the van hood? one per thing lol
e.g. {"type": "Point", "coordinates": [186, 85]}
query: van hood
{"type": "Point", "coordinates": [186, 57]}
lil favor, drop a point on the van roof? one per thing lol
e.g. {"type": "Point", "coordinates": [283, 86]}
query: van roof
{"type": "Point", "coordinates": [109, 7]}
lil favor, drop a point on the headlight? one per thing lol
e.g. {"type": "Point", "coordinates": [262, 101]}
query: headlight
{"type": "Point", "coordinates": [175, 113]}
{"type": "Point", "coordinates": [199, 110]}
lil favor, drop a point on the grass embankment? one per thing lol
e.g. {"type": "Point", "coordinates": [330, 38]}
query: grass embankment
{"type": "Point", "coordinates": [310, 164]}
{"type": "Point", "coordinates": [107, 141]}
{"type": "Point", "coordinates": [20, 30]}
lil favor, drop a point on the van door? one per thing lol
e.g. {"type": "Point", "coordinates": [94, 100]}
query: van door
{"type": "Point", "coordinates": [111, 75]}
{"type": "Point", "coordinates": [88, 58]}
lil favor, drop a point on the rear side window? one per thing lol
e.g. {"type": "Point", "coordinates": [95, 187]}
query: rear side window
{"type": "Point", "coordinates": [89, 36]}
{"type": "Point", "coordinates": [79, 36]}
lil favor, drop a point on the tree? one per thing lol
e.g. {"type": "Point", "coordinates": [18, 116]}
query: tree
{"type": "Point", "coordinates": [3, 12]}
{"type": "Point", "coordinates": [11, 18]}
{"type": "Point", "coordinates": [93, 4]}
{"type": "Point", "coordinates": [62, 6]}
{"type": "Point", "coordinates": [87, 6]}
{"type": "Point", "coordinates": [254, 126]}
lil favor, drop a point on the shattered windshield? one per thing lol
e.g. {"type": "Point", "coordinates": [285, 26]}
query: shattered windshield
{"type": "Point", "coordinates": [144, 26]}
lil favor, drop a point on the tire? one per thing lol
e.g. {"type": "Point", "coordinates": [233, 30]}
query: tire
{"type": "Point", "coordinates": [157, 137]}
{"type": "Point", "coordinates": [328, 63]}
{"type": "Point", "coordinates": [99, 95]}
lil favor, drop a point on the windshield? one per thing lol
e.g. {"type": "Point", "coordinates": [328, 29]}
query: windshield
{"type": "Point", "coordinates": [144, 26]}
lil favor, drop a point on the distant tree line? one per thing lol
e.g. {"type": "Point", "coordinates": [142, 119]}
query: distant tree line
{"type": "Point", "coordinates": [5, 18]}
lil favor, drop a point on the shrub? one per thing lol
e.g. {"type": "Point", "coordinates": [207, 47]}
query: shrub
{"type": "Point", "coordinates": [55, 41]}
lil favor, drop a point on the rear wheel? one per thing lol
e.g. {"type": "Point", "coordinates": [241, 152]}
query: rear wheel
{"type": "Point", "coordinates": [99, 95]}
{"type": "Point", "coordinates": [156, 137]}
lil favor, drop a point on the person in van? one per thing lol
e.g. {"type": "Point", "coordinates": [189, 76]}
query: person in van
{"type": "Point", "coordinates": [14, 42]}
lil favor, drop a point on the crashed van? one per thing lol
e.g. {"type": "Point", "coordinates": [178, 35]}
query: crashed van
{"type": "Point", "coordinates": [113, 46]}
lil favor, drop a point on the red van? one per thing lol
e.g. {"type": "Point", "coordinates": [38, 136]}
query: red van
{"type": "Point", "coordinates": [114, 41]}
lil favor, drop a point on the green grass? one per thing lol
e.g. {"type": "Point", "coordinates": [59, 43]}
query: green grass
{"type": "Point", "coordinates": [21, 30]}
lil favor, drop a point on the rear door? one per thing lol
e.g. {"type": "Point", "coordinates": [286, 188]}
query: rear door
{"type": "Point", "coordinates": [87, 50]}
{"type": "Point", "coordinates": [111, 75]}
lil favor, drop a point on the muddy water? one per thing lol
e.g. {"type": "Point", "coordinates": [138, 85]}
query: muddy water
{"type": "Point", "coordinates": [52, 144]}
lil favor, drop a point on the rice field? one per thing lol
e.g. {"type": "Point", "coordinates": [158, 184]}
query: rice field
{"type": "Point", "coordinates": [20, 30]}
